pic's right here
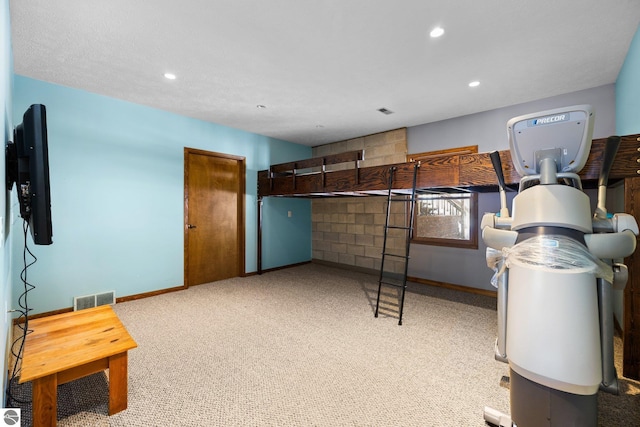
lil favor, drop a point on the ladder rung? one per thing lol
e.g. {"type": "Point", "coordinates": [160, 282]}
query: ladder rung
{"type": "Point", "coordinates": [392, 275]}
{"type": "Point", "coordinates": [396, 285]}
{"type": "Point", "coordinates": [395, 255]}
{"type": "Point", "coordinates": [399, 227]}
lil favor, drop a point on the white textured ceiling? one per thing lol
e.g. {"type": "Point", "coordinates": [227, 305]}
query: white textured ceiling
{"type": "Point", "coordinates": [323, 68]}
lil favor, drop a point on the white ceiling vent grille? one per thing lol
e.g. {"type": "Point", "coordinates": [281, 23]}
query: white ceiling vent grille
{"type": "Point", "coordinates": [89, 301]}
{"type": "Point", "coordinates": [385, 111]}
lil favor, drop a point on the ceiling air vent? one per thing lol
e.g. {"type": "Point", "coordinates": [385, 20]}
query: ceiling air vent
{"type": "Point", "coordinates": [385, 111]}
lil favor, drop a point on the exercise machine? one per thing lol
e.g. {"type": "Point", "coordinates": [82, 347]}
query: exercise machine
{"type": "Point", "coordinates": [556, 265]}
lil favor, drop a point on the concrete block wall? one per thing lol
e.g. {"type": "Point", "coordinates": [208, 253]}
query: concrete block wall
{"type": "Point", "coordinates": [350, 230]}
{"type": "Point", "coordinates": [379, 149]}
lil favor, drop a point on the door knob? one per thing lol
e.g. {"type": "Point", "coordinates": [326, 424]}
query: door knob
{"type": "Point", "coordinates": [191, 226]}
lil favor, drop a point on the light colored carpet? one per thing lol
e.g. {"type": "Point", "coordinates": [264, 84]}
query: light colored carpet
{"type": "Point", "coordinates": [301, 347]}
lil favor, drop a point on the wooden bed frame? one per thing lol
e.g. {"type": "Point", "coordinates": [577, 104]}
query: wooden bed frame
{"type": "Point", "coordinates": [342, 175]}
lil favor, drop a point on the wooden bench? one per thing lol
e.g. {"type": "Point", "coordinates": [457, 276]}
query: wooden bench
{"type": "Point", "coordinates": [72, 345]}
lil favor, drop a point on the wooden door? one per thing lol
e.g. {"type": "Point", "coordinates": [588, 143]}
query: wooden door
{"type": "Point", "coordinates": [213, 216]}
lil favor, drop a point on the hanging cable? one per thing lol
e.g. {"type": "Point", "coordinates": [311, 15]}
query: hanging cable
{"type": "Point", "coordinates": [24, 313]}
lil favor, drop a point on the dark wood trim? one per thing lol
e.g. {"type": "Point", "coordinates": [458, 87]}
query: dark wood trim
{"type": "Point", "coordinates": [419, 157]}
{"type": "Point", "coordinates": [256, 273]}
{"type": "Point", "coordinates": [185, 216]}
{"type": "Point", "coordinates": [150, 294]}
{"type": "Point", "coordinates": [451, 286]}
{"type": "Point", "coordinates": [428, 282]}
{"type": "Point", "coordinates": [242, 221]}
{"type": "Point", "coordinates": [213, 153]}
{"type": "Point", "coordinates": [20, 319]}
{"type": "Point", "coordinates": [346, 267]}
{"type": "Point", "coordinates": [631, 330]}
{"type": "Point", "coordinates": [118, 300]}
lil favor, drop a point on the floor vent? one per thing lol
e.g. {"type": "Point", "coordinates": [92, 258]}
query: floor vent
{"type": "Point", "coordinates": [89, 301]}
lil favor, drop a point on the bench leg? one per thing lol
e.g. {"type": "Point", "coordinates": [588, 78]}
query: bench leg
{"type": "Point", "coordinates": [117, 383]}
{"type": "Point", "coordinates": [45, 400]}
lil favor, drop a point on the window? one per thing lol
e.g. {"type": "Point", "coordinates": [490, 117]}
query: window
{"type": "Point", "coordinates": [446, 219]}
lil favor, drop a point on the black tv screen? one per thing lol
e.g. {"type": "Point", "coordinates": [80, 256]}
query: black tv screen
{"type": "Point", "coordinates": [28, 167]}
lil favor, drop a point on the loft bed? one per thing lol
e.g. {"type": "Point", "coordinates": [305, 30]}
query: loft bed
{"type": "Point", "coordinates": [342, 175]}
{"type": "Point", "coordinates": [320, 176]}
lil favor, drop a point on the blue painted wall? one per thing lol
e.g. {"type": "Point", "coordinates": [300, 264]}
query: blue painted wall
{"type": "Point", "coordinates": [628, 91]}
{"type": "Point", "coordinates": [6, 70]}
{"type": "Point", "coordinates": [278, 228]}
{"type": "Point", "coordinates": [117, 189]}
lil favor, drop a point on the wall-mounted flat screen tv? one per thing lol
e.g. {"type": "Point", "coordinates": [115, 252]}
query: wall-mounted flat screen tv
{"type": "Point", "coordinates": [27, 160]}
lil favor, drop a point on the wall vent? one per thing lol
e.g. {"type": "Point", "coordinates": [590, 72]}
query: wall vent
{"type": "Point", "coordinates": [89, 301]}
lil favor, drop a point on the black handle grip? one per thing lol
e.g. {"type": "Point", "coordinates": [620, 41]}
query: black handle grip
{"type": "Point", "coordinates": [610, 151]}
{"type": "Point", "coordinates": [497, 166]}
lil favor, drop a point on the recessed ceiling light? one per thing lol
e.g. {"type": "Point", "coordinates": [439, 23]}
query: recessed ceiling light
{"type": "Point", "coordinates": [169, 76]}
{"type": "Point", "coordinates": [437, 32]}
{"type": "Point", "coordinates": [474, 83]}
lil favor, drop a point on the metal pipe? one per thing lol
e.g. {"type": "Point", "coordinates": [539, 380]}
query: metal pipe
{"type": "Point", "coordinates": [609, 376]}
{"type": "Point", "coordinates": [501, 341]}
